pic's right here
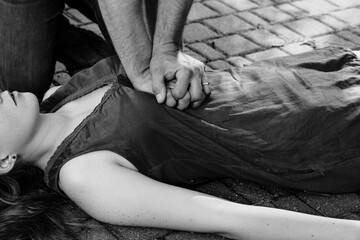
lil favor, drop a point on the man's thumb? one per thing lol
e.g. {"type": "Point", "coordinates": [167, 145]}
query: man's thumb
{"type": "Point", "coordinates": [159, 89]}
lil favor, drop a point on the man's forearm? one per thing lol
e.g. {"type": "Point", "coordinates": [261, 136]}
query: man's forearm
{"type": "Point", "coordinates": [125, 22]}
{"type": "Point", "coordinates": [171, 18]}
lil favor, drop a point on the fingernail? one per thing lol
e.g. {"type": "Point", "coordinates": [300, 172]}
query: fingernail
{"type": "Point", "coordinates": [158, 98]}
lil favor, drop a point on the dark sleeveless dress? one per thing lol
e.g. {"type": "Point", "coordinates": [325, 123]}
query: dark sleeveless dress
{"type": "Point", "coordinates": [291, 122]}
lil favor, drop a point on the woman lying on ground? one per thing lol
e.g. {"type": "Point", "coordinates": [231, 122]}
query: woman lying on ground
{"type": "Point", "coordinates": [126, 160]}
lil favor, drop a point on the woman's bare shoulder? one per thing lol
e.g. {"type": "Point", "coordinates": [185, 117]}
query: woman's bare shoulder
{"type": "Point", "coordinates": [49, 92]}
{"type": "Point", "coordinates": [75, 171]}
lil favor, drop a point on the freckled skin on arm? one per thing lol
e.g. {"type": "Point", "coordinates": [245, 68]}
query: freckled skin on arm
{"type": "Point", "coordinates": [118, 195]}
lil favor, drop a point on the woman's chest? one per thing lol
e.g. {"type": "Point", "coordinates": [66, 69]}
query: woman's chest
{"type": "Point", "coordinates": [83, 106]}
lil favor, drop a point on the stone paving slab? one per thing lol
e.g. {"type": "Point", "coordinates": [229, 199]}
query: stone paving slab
{"type": "Point", "coordinates": [222, 34]}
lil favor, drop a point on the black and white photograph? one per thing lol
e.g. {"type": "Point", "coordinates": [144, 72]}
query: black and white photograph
{"type": "Point", "coordinates": [179, 119]}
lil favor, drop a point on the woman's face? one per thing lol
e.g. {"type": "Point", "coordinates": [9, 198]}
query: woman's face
{"type": "Point", "coordinates": [18, 117]}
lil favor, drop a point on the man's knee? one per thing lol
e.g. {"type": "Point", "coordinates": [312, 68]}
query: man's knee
{"type": "Point", "coordinates": [28, 31]}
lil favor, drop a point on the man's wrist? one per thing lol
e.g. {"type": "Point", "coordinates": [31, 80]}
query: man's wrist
{"type": "Point", "coordinates": [170, 23]}
{"type": "Point", "coordinates": [166, 47]}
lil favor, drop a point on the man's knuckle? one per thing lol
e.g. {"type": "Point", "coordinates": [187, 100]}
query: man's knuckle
{"type": "Point", "coordinates": [187, 98]}
{"type": "Point", "coordinates": [186, 73]}
{"type": "Point", "coordinates": [199, 68]}
{"type": "Point", "coordinates": [197, 98]}
{"type": "Point", "coordinates": [179, 94]}
{"type": "Point", "coordinates": [171, 102]}
{"type": "Point", "coordinates": [183, 105]}
{"type": "Point", "coordinates": [184, 100]}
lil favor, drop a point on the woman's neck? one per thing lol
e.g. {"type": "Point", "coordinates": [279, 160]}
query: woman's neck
{"type": "Point", "coordinates": [52, 128]}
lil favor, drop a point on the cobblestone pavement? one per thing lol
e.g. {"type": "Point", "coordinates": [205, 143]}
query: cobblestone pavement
{"type": "Point", "coordinates": [226, 33]}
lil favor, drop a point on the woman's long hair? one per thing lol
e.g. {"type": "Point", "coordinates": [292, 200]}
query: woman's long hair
{"type": "Point", "coordinates": [30, 210]}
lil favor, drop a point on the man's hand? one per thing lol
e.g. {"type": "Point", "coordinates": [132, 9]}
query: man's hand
{"type": "Point", "coordinates": [143, 82]}
{"type": "Point", "coordinates": [178, 79]}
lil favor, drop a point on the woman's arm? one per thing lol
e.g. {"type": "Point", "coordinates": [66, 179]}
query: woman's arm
{"type": "Point", "coordinates": [117, 195]}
